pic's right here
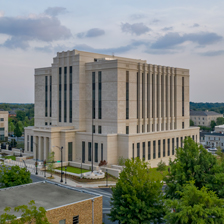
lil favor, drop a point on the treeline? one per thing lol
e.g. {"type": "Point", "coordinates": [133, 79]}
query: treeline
{"type": "Point", "coordinates": [217, 107]}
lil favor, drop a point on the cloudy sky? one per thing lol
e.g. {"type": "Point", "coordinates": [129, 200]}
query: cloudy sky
{"type": "Point", "coordinates": [186, 34]}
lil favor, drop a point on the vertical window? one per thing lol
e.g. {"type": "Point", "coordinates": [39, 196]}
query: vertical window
{"type": "Point", "coordinates": [99, 95]}
{"type": "Point", "coordinates": [143, 95]}
{"type": "Point", "coordinates": [89, 151]}
{"type": "Point", "coordinates": [142, 128]}
{"type": "Point", "coordinates": [148, 97]}
{"type": "Point", "coordinates": [137, 128]}
{"type": "Point", "coordinates": [31, 143]}
{"type": "Point", "coordinates": [70, 94]}
{"type": "Point", "coordinates": [181, 142]}
{"type": "Point", "coordinates": [159, 149]}
{"type": "Point", "coordinates": [83, 152]}
{"type": "Point", "coordinates": [143, 150]}
{"type": "Point", "coordinates": [137, 94]}
{"type": "Point", "coordinates": [138, 150]}
{"type": "Point", "coordinates": [182, 125]}
{"type": "Point", "coordinates": [50, 96]}
{"type": "Point", "coordinates": [182, 96]}
{"type": "Point", "coordinates": [93, 128]}
{"type": "Point", "coordinates": [101, 151]}
{"type": "Point", "coordinates": [173, 145]}
{"type": "Point", "coordinates": [157, 78]}
{"type": "Point", "coordinates": [69, 151]}
{"type": "Point", "coordinates": [76, 219]}
{"type": "Point", "coordinates": [96, 152]}
{"type": "Point", "coordinates": [93, 96]}
{"type": "Point", "coordinates": [127, 130]}
{"type": "Point", "coordinates": [154, 149]}
{"type": "Point", "coordinates": [99, 130]}
{"type": "Point", "coordinates": [177, 146]}
{"type": "Point", "coordinates": [193, 137]}
{"type": "Point", "coordinates": [28, 143]}
{"type": "Point", "coordinates": [46, 95]}
{"type": "Point", "coordinates": [164, 147]}
{"type": "Point", "coordinates": [168, 145]}
{"type": "Point", "coordinates": [149, 150]}
{"type": "Point", "coordinates": [65, 94]}
{"type": "Point", "coordinates": [127, 94]}
{"type": "Point", "coordinates": [59, 113]}
{"type": "Point", "coordinates": [133, 151]}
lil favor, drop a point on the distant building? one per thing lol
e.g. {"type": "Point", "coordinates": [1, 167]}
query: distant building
{"type": "Point", "coordinates": [63, 204]}
{"type": "Point", "coordinates": [4, 126]}
{"type": "Point", "coordinates": [204, 118]}
{"type": "Point", "coordinates": [134, 109]}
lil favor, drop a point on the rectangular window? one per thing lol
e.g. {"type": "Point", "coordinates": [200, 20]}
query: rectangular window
{"type": "Point", "coordinates": [182, 96]}
{"type": "Point", "coordinates": [182, 125]}
{"type": "Point", "coordinates": [60, 85]}
{"type": "Point", "coordinates": [99, 130]}
{"type": "Point", "coordinates": [101, 151]}
{"type": "Point", "coordinates": [142, 128]}
{"type": "Point", "coordinates": [149, 150]}
{"type": "Point", "coordinates": [89, 151]}
{"type": "Point", "coordinates": [133, 151]}
{"type": "Point", "coordinates": [76, 219]}
{"type": "Point", "coordinates": [127, 130]}
{"type": "Point", "coordinates": [127, 94]}
{"type": "Point", "coordinates": [137, 95]}
{"type": "Point", "coordinates": [96, 152]}
{"type": "Point", "coordinates": [154, 149]}
{"type": "Point", "coordinates": [164, 147]}
{"type": "Point", "coordinates": [168, 145]}
{"type": "Point", "coordinates": [193, 137]}
{"type": "Point", "coordinates": [70, 94]}
{"type": "Point", "coordinates": [181, 142]}
{"type": "Point", "coordinates": [138, 150]}
{"type": "Point", "coordinates": [99, 95]}
{"type": "Point", "coordinates": [148, 96]}
{"type": "Point", "coordinates": [143, 150]}
{"type": "Point", "coordinates": [93, 129]}
{"type": "Point", "coordinates": [93, 96]}
{"type": "Point", "coordinates": [46, 95]}
{"type": "Point", "coordinates": [1, 119]}
{"type": "Point", "coordinates": [31, 143]}
{"type": "Point", "coordinates": [177, 146]}
{"type": "Point", "coordinates": [83, 152]}
{"type": "Point", "coordinates": [28, 143]}
{"type": "Point", "coordinates": [65, 94]}
{"type": "Point", "coordinates": [173, 145]}
{"type": "Point", "coordinates": [62, 221]}
{"type": "Point", "coordinates": [50, 96]}
{"type": "Point", "coordinates": [159, 149]}
{"type": "Point", "coordinates": [69, 151]}
{"type": "Point", "coordinates": [143, 96]}
{"type": "Point", "coordinates": [45, 123]}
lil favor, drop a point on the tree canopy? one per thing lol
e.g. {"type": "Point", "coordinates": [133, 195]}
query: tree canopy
{"type": "Point", "coordinates": [195, 206]}
{"type": "Point", "coordinates": [17, 130]}
{"type": "Point", "coordinates": [136, 198]}
{"type": "Point", "coordinates": [194, 163]}
{"type": "Point", "coordinates": [13, 176]}
{"type": "Point", "coordinates": [30, 214]}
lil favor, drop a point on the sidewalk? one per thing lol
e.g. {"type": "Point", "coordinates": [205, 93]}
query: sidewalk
{"type": "Point", "coordinates": [71, 183]}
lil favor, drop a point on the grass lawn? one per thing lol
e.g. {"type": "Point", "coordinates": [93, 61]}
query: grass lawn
{"type": "Point", "coordinates": [73, 170]}
{"type": "Point", "coordinates": [158, 175]}
{"type": "Point", "coordinates": [10, 157]}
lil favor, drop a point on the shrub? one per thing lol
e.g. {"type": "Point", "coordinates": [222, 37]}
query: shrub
{"type": "Point", "coordinates": [161, 166]}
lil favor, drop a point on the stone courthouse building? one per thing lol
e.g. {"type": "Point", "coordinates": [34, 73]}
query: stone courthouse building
{"type": "Point", "coordinates": [134, 109]}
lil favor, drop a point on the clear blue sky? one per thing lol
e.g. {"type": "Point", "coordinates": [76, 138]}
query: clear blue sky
{"type": "Point", "coordinates": [187, 34]}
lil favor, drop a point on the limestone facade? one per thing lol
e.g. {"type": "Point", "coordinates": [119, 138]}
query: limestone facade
{"type": "Point", "coordinates": [4, 125]}
{"type": "Point", "coordinates": [134, 109]}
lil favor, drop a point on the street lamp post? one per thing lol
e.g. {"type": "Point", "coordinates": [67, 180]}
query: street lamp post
{"type": "Point", "coordinates": [36, 156]}
{"type": "Point", "coordinates": [61, 161]}
{"type": "Point", "coordinates": [45, 163]}
{"type": "Point", "coordinates": [65, 175]}
{"type": "Point", "coordinates": [106, 178]}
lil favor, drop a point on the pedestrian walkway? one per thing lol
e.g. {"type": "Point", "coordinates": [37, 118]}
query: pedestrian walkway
{"type": "Point", "coordinates": [57, 178]}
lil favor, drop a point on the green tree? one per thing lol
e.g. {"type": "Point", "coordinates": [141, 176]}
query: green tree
{"type": "Point", "coordinates": [11, 127]}
{"type": "Point", "coordinates": [213, 124]}
{"type": "Point", "coordinates": [13, 176]}
{"type": "Point", "coordinates": [193, 162]}
{"type": "Point", "coordinates": [195, 206]}
{"type": "Point", "coordinates": [220, 121]}
{"type": "Point", "coordinates": [20, 115]}
{"type": "Point", "coordinates": [29, 214]}
{"type": "Point", "coordinates": [136, 198]}
{"type": "Point", "coordinates": [191, 123]}
{"type": "Point", "coordinates": [17, 131]}
{"type": "Point", "coordinates": [50, 163]}
{"type": "Point", "coordinates": [161, 166]}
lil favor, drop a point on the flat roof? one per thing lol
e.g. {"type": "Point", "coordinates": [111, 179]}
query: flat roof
{"type": "Point", "coordinates": [45, 194]}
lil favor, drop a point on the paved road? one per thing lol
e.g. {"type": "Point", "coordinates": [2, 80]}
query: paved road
{"type": "Point", "coordinates": [36, 178]}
